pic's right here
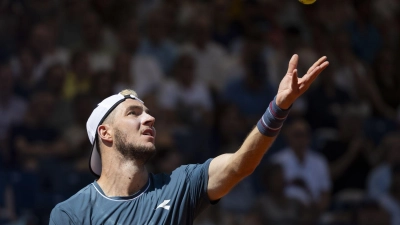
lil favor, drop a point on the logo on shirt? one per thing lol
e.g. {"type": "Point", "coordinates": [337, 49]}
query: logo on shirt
{"type": "Point", "coordinates": [164, 205]}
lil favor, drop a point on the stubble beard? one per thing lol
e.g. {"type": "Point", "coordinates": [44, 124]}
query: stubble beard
{"type": "Point", "coordinates": [133, 152]}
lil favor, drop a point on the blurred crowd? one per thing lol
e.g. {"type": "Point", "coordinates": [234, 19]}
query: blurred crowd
{"type": "Point", "coordinates": [207, 70]}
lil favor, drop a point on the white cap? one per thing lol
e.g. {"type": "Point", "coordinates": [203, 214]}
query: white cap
{"type": "Point", "coordinates": [97, 117]}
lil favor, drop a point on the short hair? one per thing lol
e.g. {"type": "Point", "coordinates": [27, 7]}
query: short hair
{"type": "Point", "coordinates": [128, 92]}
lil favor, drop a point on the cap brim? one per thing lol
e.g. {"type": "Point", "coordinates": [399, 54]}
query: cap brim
{"type": "Point", "coordinates": [95, 161]}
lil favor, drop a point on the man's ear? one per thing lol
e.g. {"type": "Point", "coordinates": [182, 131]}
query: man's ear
{"type": "Point", "coordinates": [104, 132]}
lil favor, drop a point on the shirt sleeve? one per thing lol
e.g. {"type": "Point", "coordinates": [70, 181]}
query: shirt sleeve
{"type": "Point", "coordinates": [59, 216]}
{"type": "Point", "coordinates": [197, 178]}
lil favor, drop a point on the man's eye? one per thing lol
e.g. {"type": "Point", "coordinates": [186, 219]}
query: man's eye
{"type": "Point", "coordinates": [132, 113]}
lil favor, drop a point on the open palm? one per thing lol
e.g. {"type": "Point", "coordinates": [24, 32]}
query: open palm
{"type": "Point", "coordinates": [292, 87]}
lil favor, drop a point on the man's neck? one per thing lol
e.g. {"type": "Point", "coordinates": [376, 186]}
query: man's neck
{"type": "Point", "coordinates": [122, 178]}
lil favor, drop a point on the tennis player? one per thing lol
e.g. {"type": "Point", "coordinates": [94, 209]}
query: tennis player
{"type": "Point", "coordinates": [122, 133]}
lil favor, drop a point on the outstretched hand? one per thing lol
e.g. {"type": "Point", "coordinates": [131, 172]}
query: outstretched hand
{"type": "Point", "coordinates": [292, 87]}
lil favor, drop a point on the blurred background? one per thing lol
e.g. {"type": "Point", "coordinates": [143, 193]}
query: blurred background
{"type": "Point", "coordinates": [207, 70]}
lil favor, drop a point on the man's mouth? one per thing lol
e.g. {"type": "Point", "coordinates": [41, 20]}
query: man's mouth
{"type": "Point", "coordinates": [148, 132]}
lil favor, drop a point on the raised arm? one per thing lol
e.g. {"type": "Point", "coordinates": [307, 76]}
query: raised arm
{"type": "Point", "coordinates": [227, 170]}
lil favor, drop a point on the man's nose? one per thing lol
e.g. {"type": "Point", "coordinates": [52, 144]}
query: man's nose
{"type": "Point", "coordinates": [149, 120]}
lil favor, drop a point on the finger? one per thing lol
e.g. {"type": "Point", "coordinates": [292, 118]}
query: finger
{"type": "Point", "coordinates": [318, 70]}
{"type": "Point", "coordinates": [317, 63]}
{"type": "Point", "coordinates": [321, 68]}
{"type": "Point", "coordinates": [309, 78]}
{"type": "Point", "coordinates": [293, 63]}
{"type": "Point", "coordinates": [294, 80]}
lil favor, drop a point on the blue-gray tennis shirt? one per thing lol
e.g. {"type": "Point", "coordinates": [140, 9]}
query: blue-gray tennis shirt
{"type": "Point", "coordinates": [175, 198]}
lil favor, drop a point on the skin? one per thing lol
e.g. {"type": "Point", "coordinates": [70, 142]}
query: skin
{"type": "Point", "coordinates": [229, 169]}
{"type": "Point", "coordinates": [121, 177]}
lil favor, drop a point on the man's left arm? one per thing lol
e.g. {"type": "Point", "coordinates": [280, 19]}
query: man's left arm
{"type": "Point", "coordinates": [227, 170]}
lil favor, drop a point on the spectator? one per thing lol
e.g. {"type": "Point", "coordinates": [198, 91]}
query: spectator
{"type": "Point", "coordinates": [387, 81]}
{"type": "Point", "coordinates": [224, 30]}
{"type": "Point", "coordinates": [349, 153]}
{"type": "Point", "coordinates": [8, 212]}
{"type": "Point", "coordinates": [379, 180]}
{"type": "Point", "coordinates": [248, 90]}
{"type": "Point", "coordinates": [122, 71]}
{"type": "Point", "coordinates": [273, 205]}
{"type": "Point", "coordinates": [42, 42]}
{"type": "Point", "coordinates": [186, 95]}
{"type": "Point", "coordinates": [54, 82]}
{"type": "Point", "coordinates": [230, 128]}
{"type": "Point", "coordinates": [12, 111]}
{"type": "Point", "coordinates": [99, 41]}
{"type": "Point", "coordinates": [102, 85]}
{"type": "Point", "coordinates": [73, 15]}
{"type": "Point", "coordinates": [78, 78]}
{"type": "Point", "coordinates": [391, 201]}
{"type": "Point", "coordinates": [188, 105]}
{"type": "Point", "coordinates": [211, 59]}
{"type": "Point", "coordinates": [305, 171]}
{"type": "Point", "coordinates": [145, 73]}
{"type": "Point", "coordinates": [352, 76]}
{"type": "Point", "coordinates": [75, 134]}
{"type": "Point", "coordinates": [156, 43]}
{"type": "Point", "coordinates": [25, 81]}
{"type": "Point", "coordinates": [326, 102]}
{"type": "Point", "coordinates": [35, 140]}
{"type": "Point", "coordinates": [364, 33]}
{"type": "Point", "coordinates": [371, 213]}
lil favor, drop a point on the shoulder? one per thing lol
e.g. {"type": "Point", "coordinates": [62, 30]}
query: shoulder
{"type": "Point", "coordinates": [61, 215]}
{"type": "Point", "coordinates": [190, 169]}
{"type": "Point", "coordinates": [69, 210]}
{"type": "Point", "coordinates": [183, 178]}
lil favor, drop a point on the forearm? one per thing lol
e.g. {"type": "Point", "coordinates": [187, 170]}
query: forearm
{"type": "Point", "coordinates": [228, 169]}
{"type": "Point", "coordinates": [249, 155]}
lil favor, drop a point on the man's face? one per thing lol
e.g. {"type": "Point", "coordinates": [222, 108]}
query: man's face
{"type": "Point", "coordinates": [133, 131]}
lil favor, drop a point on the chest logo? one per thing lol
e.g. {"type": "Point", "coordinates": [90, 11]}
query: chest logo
{"type": "Point", "coordinates": [164, 205]}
